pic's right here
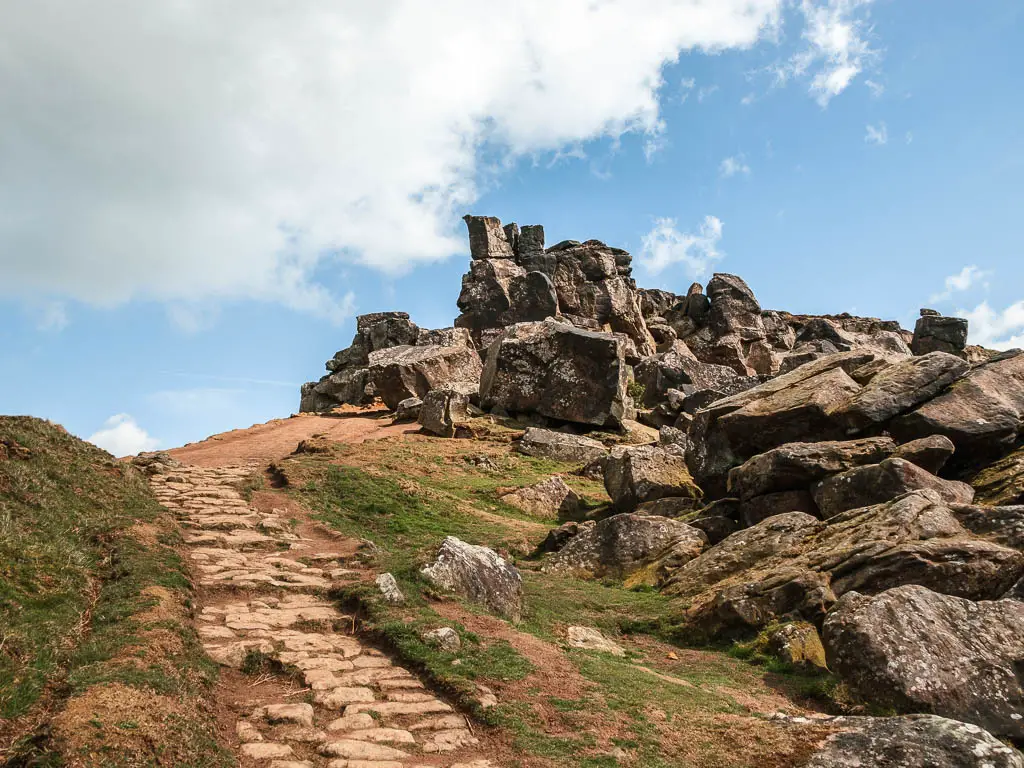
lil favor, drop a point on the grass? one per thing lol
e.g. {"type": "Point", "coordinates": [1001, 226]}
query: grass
{"type": "Point", "coordinates": [93, 598]}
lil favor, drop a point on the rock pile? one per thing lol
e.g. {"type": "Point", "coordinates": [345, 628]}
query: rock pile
{"type": "Point", "coordinates": [834, 471]}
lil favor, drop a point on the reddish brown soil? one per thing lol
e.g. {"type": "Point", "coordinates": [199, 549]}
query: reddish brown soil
{"type": "Point", "coordinates": [278, 438]}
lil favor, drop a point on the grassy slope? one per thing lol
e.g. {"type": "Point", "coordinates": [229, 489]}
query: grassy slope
{"type": "Point", "coordinates": [98, 664]}
{"type": "Point", "coordinates": [406, 495]}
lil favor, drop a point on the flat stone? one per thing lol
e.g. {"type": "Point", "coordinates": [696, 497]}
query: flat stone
{"type": "Point", "coordinates": [266, 750]}
{"type": "Point", "coordinates": [393, 735]}
{"type": "Point", "coordinates": [340, 697]}
{"type": "Point", "coordinates": [361, 750]}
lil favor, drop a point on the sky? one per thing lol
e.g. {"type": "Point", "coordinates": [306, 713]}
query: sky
{"type": "Point", "coordinates": [197, 198]}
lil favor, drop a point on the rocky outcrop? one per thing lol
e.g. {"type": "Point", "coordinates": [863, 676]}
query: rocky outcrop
{"type": "Point", "coordinates": [929, 453]}
{"type": "Point", "coordinates": [1003, 525]}
{"type": "Point", "coordinates": [629, 547]}
{"type": "Point", "coordinates": [399, 373]}
{"type": "Point", "coordinates": [479, 574]}
{"type": "Point", "coordinates": [935, 333]}
{"type": "Point", "coordinates": [514, 279]}
{"type": "Point", "coordinates": [796, 466]}
{"type": "Point", "coordinates": [560, 446]}
{"type": "Point", "coordinates": [558, 371]}
{"type": "Point", "coordinates": [912, 741]}
{"type": "Point", "coordinates": [913, 649]}
{"type": "Point", "coordinates": [982, 414]}
{"type": "Point", "coordinates": [637, 474]}
{"type": "Point", "coordinates": [794, 565]}
{"type": "Point", "coordinates": [877, 483]}
{"type": "Point", "coordinates": [351, 380]}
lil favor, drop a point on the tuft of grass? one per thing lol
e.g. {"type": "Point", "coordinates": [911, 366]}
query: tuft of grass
{"type": "Point", "coordinates": [93, 598]}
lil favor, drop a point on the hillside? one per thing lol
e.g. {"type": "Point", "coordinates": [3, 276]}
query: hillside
{"type": "Point", "coordinates": [589, 525]}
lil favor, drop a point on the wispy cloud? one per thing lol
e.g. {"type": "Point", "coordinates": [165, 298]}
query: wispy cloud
{"type": "Point", "coordinates": [122, 436]}
{"type": "Point", "coordinates": [53, 317]}
{"type": "Point", "coordinates": [993, 329]}
{"type": "Point", "coordinates": [963, 280]}
{"type": "Point", "coordinates": [704, 92]}
{"type": "Point", "coordinates": [909, 137]}
{"type": "Point", "coordinates": [730, 166]}
{"type": "Point", "coordinates": [664, 246]}
{"type": "Point", "coordinates": [877, 134]}
{"type": "Point", "coordinates": [686, 85]}
{"type": "Point", "coordinates": [877, 89]}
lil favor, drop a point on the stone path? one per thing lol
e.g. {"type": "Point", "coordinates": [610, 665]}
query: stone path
{"type": "Point", "coordinates": [261, 590]}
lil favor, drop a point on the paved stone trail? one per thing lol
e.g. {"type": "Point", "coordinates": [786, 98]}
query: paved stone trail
{"type": "Point", "coordinates": [261, 588]}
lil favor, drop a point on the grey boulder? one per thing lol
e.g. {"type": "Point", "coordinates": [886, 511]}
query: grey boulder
{"type": "Point", "coordinates": [479, 574]}
{"type": "Point", "coordinates": [637, 474]}
{"type": "Point", "coordinates": [914, 649]}
{"type": "Point", "coordinates": [560, 446]}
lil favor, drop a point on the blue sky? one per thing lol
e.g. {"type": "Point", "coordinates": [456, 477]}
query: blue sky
{"type": "Point", "coordinates": [185, 243]}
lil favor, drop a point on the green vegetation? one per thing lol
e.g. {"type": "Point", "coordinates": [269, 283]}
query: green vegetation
{"type": "Point", "coordinates": [92, 599]}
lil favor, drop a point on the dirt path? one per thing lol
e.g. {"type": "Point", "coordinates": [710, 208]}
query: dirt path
{"type": "Point", "coordinates": [262, 443]}
{"type": "Point", "coordinates": [261, 579]}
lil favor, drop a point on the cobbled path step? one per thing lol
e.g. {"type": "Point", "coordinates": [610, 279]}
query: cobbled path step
{"type": "Point", "coordinates": [262, 590]}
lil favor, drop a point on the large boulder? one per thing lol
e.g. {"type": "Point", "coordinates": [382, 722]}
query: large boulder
{"type": "Point", "coordinates": [402, 372]}
{"type": "Point", "coordinates": [1001, 482]}
{"type": "Point", "coordinates": [913, 649]}
{"type": "Point", "coordinates": [479, 574]}
{"type": "Point", "coordinates": [794, 565]}
{"type": "Point", "coordinates": [629, 547]}
{"type": "Point", "coordinates": [899, 388]}
{"type": "Point", "coordinates": [443, 411]}
{"type": "Point", "coordinates": [560, 446]}
{"type": "Point", "coordinates": [878, 483]}
{"type": "Point", "coordinates": [935, 333]}
{"type": "Point", "coordinates": [558, 371]}
{"type": "Point", "coordinates": [637, 474]}
{"type": "Point", "coordinates": [1003, 525]}
{"type": "Point", "coordinates": [487, 238]}
{"type": "Point", "coordinates": [757, 508]}
{"type": "Point", "coordinates": [912, 741]}
{"type": "Point", "coordinates": [795, 466]}
{"type": "Point", "coordinates": [548, 498]}
{"type": "Point", "coordinates": [982, 413]}
{"type": "Point", "coordinates": [929, 453]}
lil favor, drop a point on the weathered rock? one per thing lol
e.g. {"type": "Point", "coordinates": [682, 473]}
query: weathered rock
{"type": "Point", "coordinates": [403, 372]}
{"type": "Point", "coordinates": [795, 466]}
{"type": "Point", "coordinates": [445, 638]}
{"type": "Point", "coordinates": [794, 565]}
{"type": "Point", "coordinates": [797, 643]}
{"type": "Point", "coordinates": [878, 483]}
{"type": "Point", "coordinates": [479, 574]}
{"type": "Point", "coordinates": [678, 367]}
{"type": "Point", "coordinates": [627, 546]}
{"type": "Point", "coordinates": [443, 411]}
{"type": "Point", "coordinates": [444, 337]}
{"type": "Point", "coordinates": [487, 238]}
{"type": "Point", "coordinates": [591, 640]}
{"type": "Point", "coordinates": [669, 506]}
{"type": "Point", "coordinates": [389, 589]}
{"type": "Point", "coordinates": [558, 537]}
{"type": "Point", "coordinates": [548, 498]}
{"type": "Point", "coordinates": [558, 371]}
{"type": "Point", "coordinates": [899, 388]}
{"type": "Point", "coordinates": [982, 413]}
{"type": "Point", "coordinates": [1001, 483]}
{"type": "Point", "coordinates": [408, 409]}
{"type": "Point", "coordinates": [936, 333]}
{"type": "Point", "coordinates": [635, 474]}
{"type": "Point", "coordinates": [560, 446]}
{"type": "Point", "coordinates": [912, 741]}
{"type": "Point", "coordinates": [912, 649]}
{"type": "Point", "coordinates": [758, 508]}
{"type": "Point", "coordinates": [929, 453]}
{"type": "Point", "coordinates": [1003, 525]}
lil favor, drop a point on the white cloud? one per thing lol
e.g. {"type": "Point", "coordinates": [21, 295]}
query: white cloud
{"type": "Point", "coordinates": [877, 89]}
{"type": "Point", "coordinates": [121, 436]}
{"type": "Point", "coordinates": [53, 317]}
{"type": "Point", "coordinates": [733, 165]}
{"type": "Point", "coordinates": [909, 137]}
{"type": "Point", "coordinates": [996, 330]}
{"type": "Point", "coordinates": [837, 51]}
{"type": "Point", "coordinates": [703, 93]}
{"type": "Point", "coordinates": [685, 86]}
{"type": "Point", "coordinates": [961, 281]}
{"type": "Point", "coordinates": [747, 100]}
{"type": "Point", "coordinates": [877, 135]}
{"type": "Point", "coordinates": [665, 246]}
{"type": "Point", "coordinates": [243, 149]}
